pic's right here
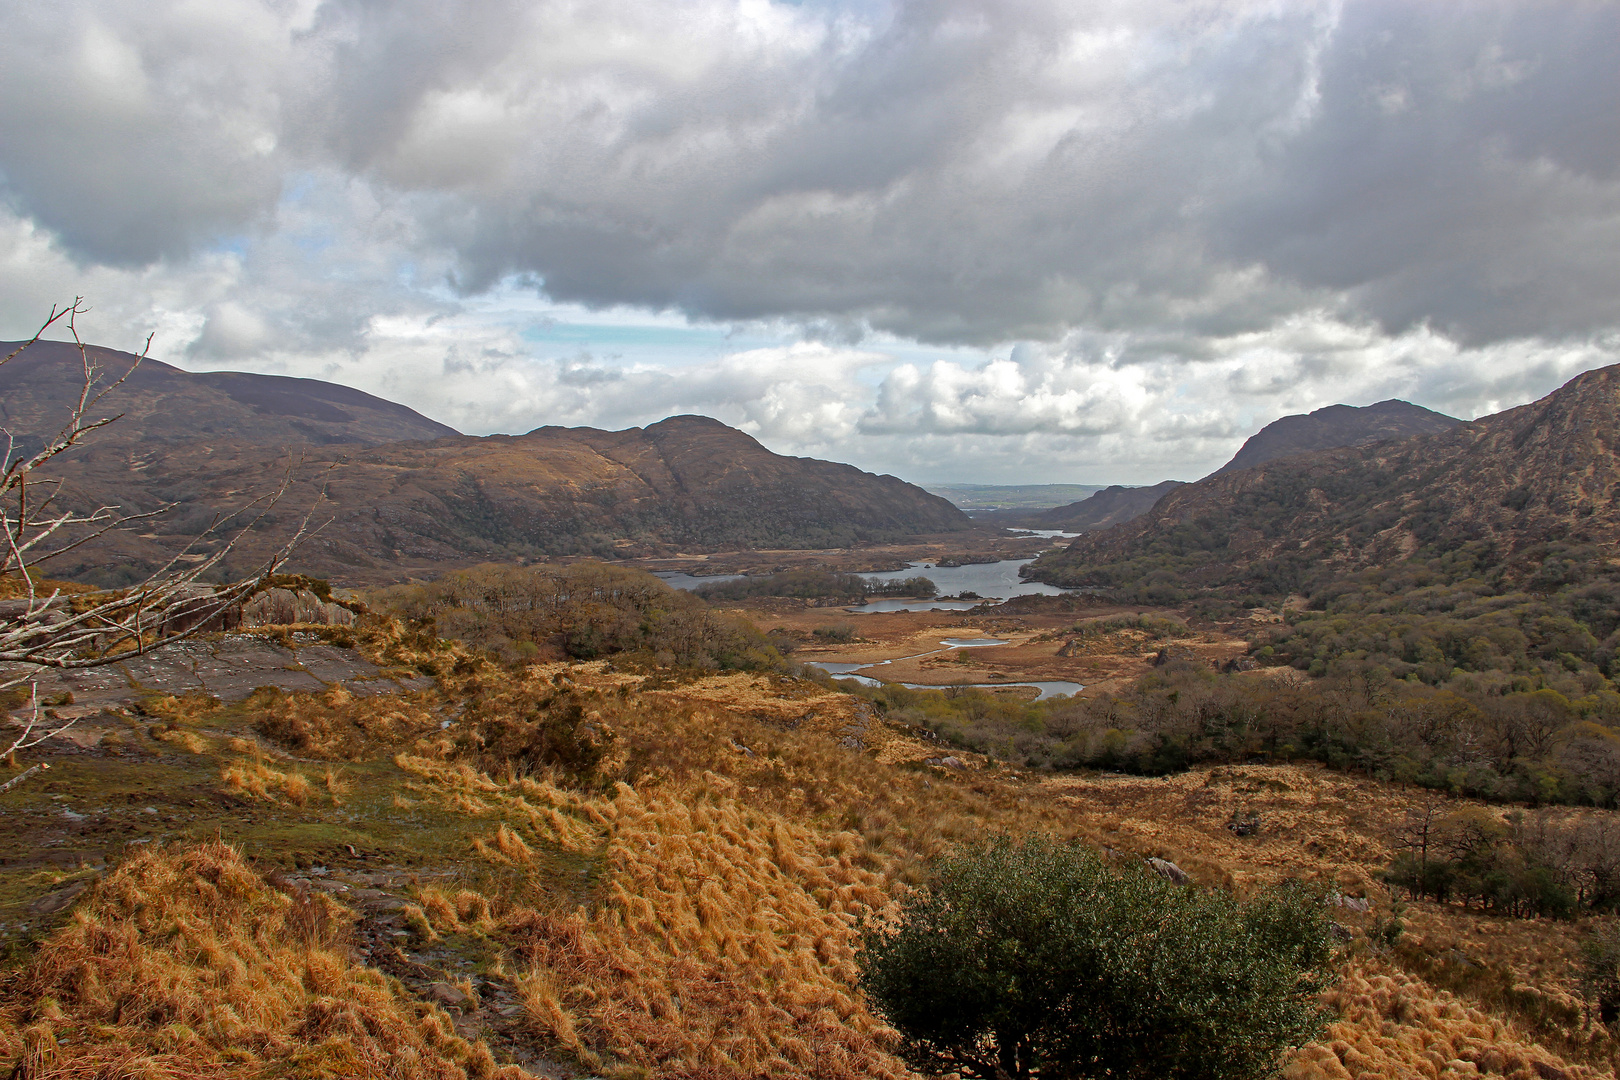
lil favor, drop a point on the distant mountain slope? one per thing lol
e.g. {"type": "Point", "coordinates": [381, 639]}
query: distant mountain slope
{"type": "Point", "coordinates": [1543, 472]}
{"type": "Point", "coordinates": [164, 404]}
{"type": "Point", "coordinates": [408, 496]}
{"type": "Point", "coordinates": [1111, 506]}
{"type": "Point", "coordinates": [1028, 497]}
{"type": "Point", "coordinates": [1337, 425]}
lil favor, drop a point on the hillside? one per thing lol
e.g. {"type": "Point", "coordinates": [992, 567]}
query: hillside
{"type": "Point", "coordinates": [592, 871]}
{"type": "Point", "coordinates": [1111, 506]}
{"type": "Point", "coordinates": [1543, 472]}
{"type": "Point", "coordinates": [162, 404]}
{"type": "Point", "coordinates": [406, 495]}
{"type": "Point", "coordinates": [1335, 426]}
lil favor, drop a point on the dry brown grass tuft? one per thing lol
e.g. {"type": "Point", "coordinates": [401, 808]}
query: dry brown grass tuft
{"type": "Point", "coordinates": [273, 785]}
{"type": "Point", "coordinates": [186, 963]}
{"type": "Point", "coordinates": [724, 947]}
{"type": "Point", "coordinates": [190, 740]}
{"type": "Point", "coordinates": [1391, 1024]}
{"type": "Point", "coordinates": [336, 725]}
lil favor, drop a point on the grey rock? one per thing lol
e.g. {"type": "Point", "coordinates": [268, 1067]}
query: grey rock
{"type": "Point", "coordinates": [445, 994]}
{"type": "Point", "coordinates": [1172, 653]}
{"type": "Point", "coordinates": [58, 899]}
{"type": "Point", "coordinates": [1169, 871]}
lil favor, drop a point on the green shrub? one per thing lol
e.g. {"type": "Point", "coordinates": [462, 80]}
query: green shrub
{"type": "Point", "coordinates": [584, 610]}
{"type": "Point", "coordinates": [1034, 959]}
{"type": "Point", "coordinates": [1600, 973]}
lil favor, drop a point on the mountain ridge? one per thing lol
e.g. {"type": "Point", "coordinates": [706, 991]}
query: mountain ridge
{"type": "Point", "coordinates": [1540, 473]}
{"type": "Point", "coordinates": [1334, 426]}
{"type": "Point", "coordinates": [39, 385]}
{"type": "Point", "coordinates": [439, 498]}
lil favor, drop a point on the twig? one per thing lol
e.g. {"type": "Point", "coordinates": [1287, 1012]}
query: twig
{"type": "Point", "coordinates": [20, 777]}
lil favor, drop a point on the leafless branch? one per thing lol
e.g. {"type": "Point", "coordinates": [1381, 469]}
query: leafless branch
{"type": "Point", "coordinates": [40, 632]}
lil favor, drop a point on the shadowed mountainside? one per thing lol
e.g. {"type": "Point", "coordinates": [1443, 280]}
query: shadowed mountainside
{"type": "Point", "coordinates": [164, 404]}
{"type": "Point", "coordinates": [1111, 506]}
{"type": "Point", "coordinates": [1335, 426]}
{"type": "Point", "coordinates": [1324, 429]}
{"type": "Point", "coordinates": [1543, 472]}
{"type": "Point", "coordinates": [408, 496]}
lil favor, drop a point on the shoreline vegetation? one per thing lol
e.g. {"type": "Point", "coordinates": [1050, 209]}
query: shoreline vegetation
{"type": "Point", "coordinates": [822, 585]}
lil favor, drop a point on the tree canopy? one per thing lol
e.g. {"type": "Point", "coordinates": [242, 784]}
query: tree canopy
{"type": "Point", "coordinates": [1033, 958]}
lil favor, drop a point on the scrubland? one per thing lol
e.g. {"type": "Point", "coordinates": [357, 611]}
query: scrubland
{"type": "Point", "coordinates": [609, 867]}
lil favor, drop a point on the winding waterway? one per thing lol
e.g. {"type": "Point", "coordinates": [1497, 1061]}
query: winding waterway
{"type": "Point", "coordinates": [1048, 688]}
{"type": "Point", "coordinates": [992, 582]}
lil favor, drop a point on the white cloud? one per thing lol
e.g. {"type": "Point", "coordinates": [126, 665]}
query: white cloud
{"type": "Point", "coordinates": [1004, 240]}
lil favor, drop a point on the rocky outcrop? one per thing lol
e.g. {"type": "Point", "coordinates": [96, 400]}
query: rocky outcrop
{"type": "Point", "coordinates": [1168, 870]}
{"type": "Point", "coordinates": [282, 607]}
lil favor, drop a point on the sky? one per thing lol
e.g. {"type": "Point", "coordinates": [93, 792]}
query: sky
{"type": "Point", "coordinates": [1009, 241]}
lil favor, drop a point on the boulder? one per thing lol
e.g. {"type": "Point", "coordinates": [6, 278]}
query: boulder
{"type": "Point", "coordinates": [445, 994]}
{"type": "Point", "coordinates": [1244, 824]}
{"type": "Point", "coordinates": [1172, 653]}
{"type": "Point", "coordinates": [281, 607]}
{"type": "Point", "coordinates": [1168, 870]}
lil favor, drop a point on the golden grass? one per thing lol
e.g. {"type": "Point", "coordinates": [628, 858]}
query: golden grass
{"type": "Point", "coordinates": [1391, 1024]}
{"type": "Point", "coordinates": [273, 785]}
{"type": "Point", "coordinates": [185, 963]}
{"type": "Point", "coordinates": [335, 724]}
{"type": "Point", "coordinates": [723, 947]}
{"type": "Point", "coordinates": [689, 904]}
{"type": "Point", "coordinates": [189, 740]}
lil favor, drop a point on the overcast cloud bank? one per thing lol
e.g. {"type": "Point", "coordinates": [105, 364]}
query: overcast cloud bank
{"type": "Point", "coordinates": [950, 240]}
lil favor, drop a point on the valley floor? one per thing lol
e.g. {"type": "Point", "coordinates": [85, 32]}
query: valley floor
{"type": "Point", "coordinates": [349, 882]}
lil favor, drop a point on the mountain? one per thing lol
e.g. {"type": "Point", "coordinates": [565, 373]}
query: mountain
{"type": "Point", "coordinates": [979, 498]}
{"type": "Point", "coordinates": [408, 496]}
{"type": "Point", "coordinates": [1506, 485]}
{"type": "Point", "coordinates": [1324, 429]}
{"type": "Point", "coordinates": [1110, 506]}
{"type": "Point", "coordinates": [162, 404]}
{"type": "Point", "coordinates": [1337, 425]}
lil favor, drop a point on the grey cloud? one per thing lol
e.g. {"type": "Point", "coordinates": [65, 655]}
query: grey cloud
{"type": "Point", "coordinates": [583, 370]}
{"type": "Point", "coordinates": [1196, 216]}
{"type": "Point", "coordinates": [137, 133]}
{"type": "Point", "coordinates": [954, 171]}
{"type": "Point", "coordinates": [1461, 170]}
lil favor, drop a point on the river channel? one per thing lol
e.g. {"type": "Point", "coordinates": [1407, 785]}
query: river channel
{"type": "Point", "coordinates": [1048, 688]}
{"type": "Point", "coordinates": [982, 582]}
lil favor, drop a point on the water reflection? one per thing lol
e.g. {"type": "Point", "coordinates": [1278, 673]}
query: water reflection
{"type": "Point", "coordinates": [960, 587]}
{"type": "Point", "coordinates": [1048, 688]}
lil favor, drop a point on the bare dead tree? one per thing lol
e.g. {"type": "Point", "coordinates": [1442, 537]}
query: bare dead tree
{"type": "Point", "coordinates": [42, 630]}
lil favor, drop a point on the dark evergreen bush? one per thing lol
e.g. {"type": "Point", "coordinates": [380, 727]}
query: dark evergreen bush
{"type": "Point", "coordinates": [1033, 959]}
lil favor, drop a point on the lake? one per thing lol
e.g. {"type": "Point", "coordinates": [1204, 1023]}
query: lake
{"type": "Point", "coordinates": [687, 582]}
{"type": "Point", "coordinates": [990, 581]}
